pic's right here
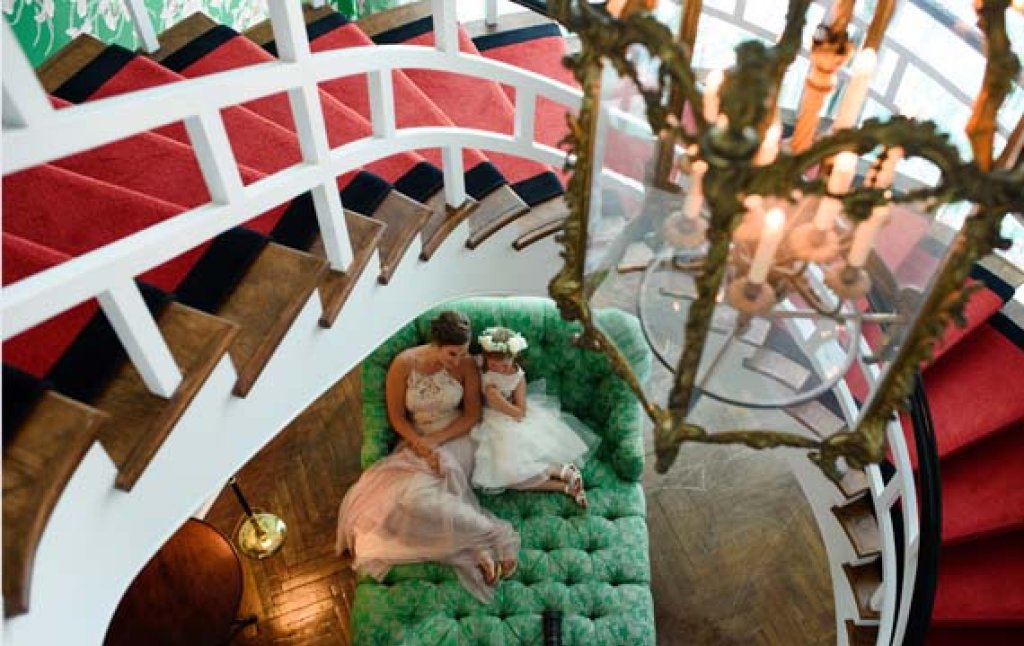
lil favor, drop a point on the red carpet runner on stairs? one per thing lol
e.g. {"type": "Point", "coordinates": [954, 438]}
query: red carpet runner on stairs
{"type": "Point", "coordinates": [258, 143]}
{"type": "Point", "coordinates": [412, 107]}
{"type": "Point", "coordinates": [475, 104]}
{"type": "Point", "coordinates": [221, 49]}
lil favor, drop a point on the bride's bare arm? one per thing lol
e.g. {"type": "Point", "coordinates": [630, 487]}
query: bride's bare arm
{"type": "Point", "coordinates": [470, 416]}
{"type": "Point", "coordinates": [395, 385]}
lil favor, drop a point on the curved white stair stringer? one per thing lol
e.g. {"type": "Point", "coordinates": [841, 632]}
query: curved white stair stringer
{"type": "Point", "coordinates": [98, 538]}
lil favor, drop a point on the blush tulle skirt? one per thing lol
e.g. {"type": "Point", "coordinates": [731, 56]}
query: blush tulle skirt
{"type": "Point", "coordinates": [401, 511]}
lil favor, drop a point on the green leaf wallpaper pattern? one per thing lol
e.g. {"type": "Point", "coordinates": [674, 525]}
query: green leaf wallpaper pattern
{"type": "Point", "coordinates": [43, 27]}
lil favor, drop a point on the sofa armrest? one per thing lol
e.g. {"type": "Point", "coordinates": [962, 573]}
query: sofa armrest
{"type": "Point", "coordinates": [624, 432]}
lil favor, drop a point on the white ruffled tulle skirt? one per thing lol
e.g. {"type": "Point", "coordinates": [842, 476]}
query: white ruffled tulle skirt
{"type": "Point", "coordinates": [514, 454]}
{"type": "Point", "coordinates": [400, 511]}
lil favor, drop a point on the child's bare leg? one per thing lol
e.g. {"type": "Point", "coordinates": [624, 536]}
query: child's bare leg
{"type": "Point", "coordinates": [549, 485]}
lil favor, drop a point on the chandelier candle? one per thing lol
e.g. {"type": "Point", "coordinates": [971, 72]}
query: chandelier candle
{"type": "Point", "coordinates": [857, 90]}
{"type": "Point", "coordinates": [769, 149]}
{"type": "Point", "coordinates": [838, 183]}
{"type": "Point", "coordinates": [817, 241]}
{"type": "Point", "coordinates": [770, 239]}
{"type": "Point", "coordinates": [864, 236]}
{"type": "Point", "coordinates": [695, 198]}
{"type": "Point", "coordinates": [712, 84]}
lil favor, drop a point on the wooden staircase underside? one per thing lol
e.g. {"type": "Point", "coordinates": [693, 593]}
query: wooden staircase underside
{"type": "Point", "coordinates": [36, 467]}
{"type": "Point", "coordinates": [139, 420]}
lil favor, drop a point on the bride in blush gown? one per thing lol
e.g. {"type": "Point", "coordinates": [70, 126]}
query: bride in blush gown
{"type": "Point", "coordinates": [417, 504]}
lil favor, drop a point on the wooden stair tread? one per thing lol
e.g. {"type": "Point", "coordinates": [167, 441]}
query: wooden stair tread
{"type": "Point", "coordinates": [443, 220]}
{"type": "Point", "coordinates": [542, 221]}
{"type": "Point", "coordinates": [858, 520]}
{"type": "Point", "coordinates": [139, 420]}
{"type": "Point", "coordinates": [857, 635]}
{"type": "Point", "coordinates": [497, 209]}
{"type": "Point", "coordinates": [854, 483]}
{"type": "Point", "coordinates": [404, 218]}
{"type": "Point", "coordinates": [865, 580]}
{"type": "Point", "coordinates": [528, 239]}
{"type": "Point", "coordinates": [263, 32]}
{"type": "Point", "coordinates": [264, 306]}
{"type": "Point", "coordinates": [44, 454]}
{"type": "Point", "coordinates": [181, 34]}
{"type": "Point", "coordinates": [365, 234]}
{"type": "Point", "coordinates": [68, 61]}
{"type": "Point", "coordinates": [507, 22]}
{"type": "Point", "coordinates": [382, 21]}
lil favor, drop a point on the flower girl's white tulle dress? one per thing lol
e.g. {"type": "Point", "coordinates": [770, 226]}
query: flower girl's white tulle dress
{"type": "Point", "coordinates": [513, 454]}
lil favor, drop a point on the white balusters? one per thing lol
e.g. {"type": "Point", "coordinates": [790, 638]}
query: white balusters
{"type": "Point", "coordinates": [24, 102]}
{"type": "Point", "coordinates": [215, 157]}
{"type": "Point", "coordinates": [446, 39]}
{"type": "Point", "coordinates": [289, 30]}
{"type": "Point", "coordinates": [597, 181]}
{"type": "Point", "coordinates": [331, 217]}
{"type": "Point", "coordinates": [491, 15]}
{"type": "Point", "coordinates": [141, 338]}
{"type": "Point", "coordinates": [143, 24]}
{"type": "Point", "coordinates": [454, 180]}
{"type": "Point", "coordinates": [526, 106]}
{"type": "Point", "coordinates": [893, 490]}
{"type": "Point", "coordinates": [446, 26]}
{"type": "Point", "coordinates": [382, 103]}
{"type": "Point", "coordinates": [307, 112]}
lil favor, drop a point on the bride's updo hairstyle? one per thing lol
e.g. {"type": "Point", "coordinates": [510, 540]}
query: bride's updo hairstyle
{"type": "Point", "coordinates": [450, 328]}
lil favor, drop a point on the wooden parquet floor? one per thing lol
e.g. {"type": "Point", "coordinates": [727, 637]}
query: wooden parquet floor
{"type": "Point", "coordinates": [735, 552]}
{"type": "Point", "coordinates": [302, 594]}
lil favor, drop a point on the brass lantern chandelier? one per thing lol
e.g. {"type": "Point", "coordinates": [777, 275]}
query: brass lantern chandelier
{"type": "Point", "coordinates": [764, 229]}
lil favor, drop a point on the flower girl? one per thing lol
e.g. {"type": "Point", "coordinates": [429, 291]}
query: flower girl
{"type": "Point", "coordinates": [524, 442]}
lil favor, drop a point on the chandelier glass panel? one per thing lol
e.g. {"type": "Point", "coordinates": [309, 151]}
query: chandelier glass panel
{"type": "Point", "coordinates": [779, 261]}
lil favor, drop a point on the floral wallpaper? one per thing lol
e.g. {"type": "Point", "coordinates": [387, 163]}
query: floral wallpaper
{"type": "Point", "coordinates": [44, 26]}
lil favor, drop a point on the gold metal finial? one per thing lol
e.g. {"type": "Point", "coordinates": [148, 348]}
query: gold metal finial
{"type": "Point", "coordinates": [260, 534]}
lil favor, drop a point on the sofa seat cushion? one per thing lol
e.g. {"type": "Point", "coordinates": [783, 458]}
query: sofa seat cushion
{"type": "Point", "coordinates": [591, 565]}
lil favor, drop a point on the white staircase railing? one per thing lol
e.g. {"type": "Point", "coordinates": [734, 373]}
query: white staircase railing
{"type": "Point", "coordinates": [97, 534]}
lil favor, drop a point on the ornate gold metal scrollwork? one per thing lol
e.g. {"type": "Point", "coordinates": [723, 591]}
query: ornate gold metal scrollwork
{"type": "Point", "coordinates": [747, 99]}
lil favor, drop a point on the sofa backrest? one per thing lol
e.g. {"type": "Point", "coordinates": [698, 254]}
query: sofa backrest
{"type": "Point", "coordinates": [582, 379]}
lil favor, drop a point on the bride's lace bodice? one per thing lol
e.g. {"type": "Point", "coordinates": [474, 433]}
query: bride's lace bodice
{"type": "Point", "coordinates": [432, 400]}
{"type": "Point", "coordinates": [506, 384]}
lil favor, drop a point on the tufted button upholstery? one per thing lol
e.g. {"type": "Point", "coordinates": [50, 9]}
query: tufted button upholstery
{"type": "Point", "coordinates": [591, 565]}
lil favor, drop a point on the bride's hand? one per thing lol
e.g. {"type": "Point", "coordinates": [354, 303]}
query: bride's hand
{"type": "Point", "coordinates": [430, 441]}
{"type": "Point", "coordinates": [427, 452]}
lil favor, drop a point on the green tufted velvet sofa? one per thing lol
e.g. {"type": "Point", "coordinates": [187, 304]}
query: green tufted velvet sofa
{"type": "Point", "coordinates": [591, 565]}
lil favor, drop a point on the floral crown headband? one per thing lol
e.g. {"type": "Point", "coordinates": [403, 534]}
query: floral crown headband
{"type": "Point", "coordinates": [503, 340]}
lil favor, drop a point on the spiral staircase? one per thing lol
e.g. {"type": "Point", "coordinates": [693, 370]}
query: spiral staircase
{"type": "Point", "coordinates": [255, 213]}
